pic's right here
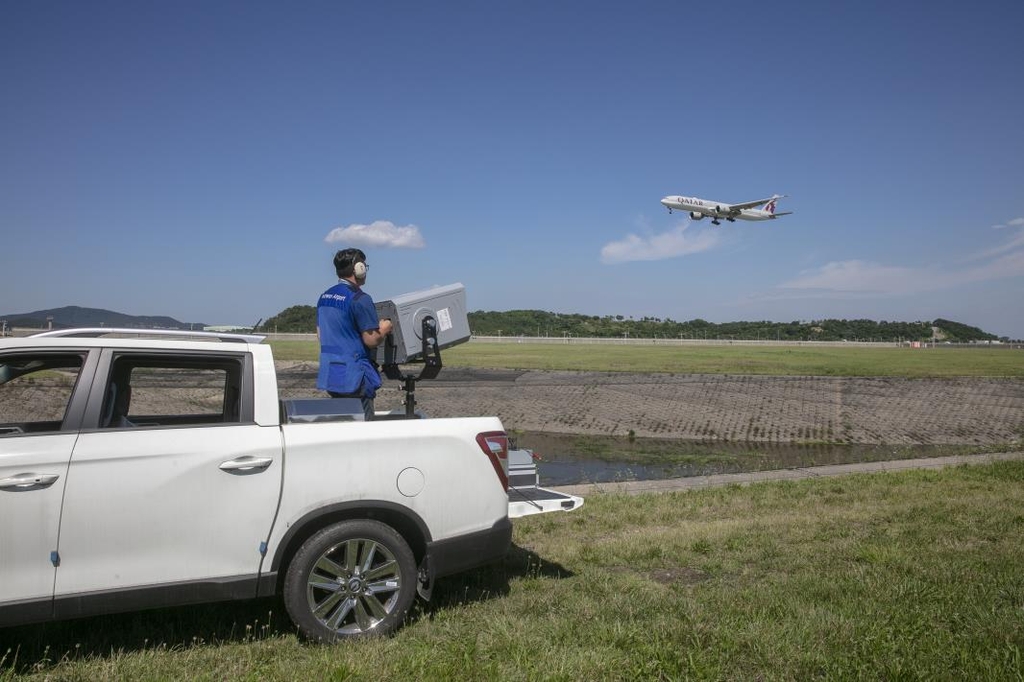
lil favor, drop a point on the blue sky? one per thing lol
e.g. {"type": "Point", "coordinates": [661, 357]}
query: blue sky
{"type": "Point", "coordinates": [205, 159]}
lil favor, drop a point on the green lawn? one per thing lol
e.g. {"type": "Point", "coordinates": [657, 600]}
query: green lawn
{"type": "Point", "coordinates": [737, 359]}
{"type": "Point", "coordinates": [911, 575]}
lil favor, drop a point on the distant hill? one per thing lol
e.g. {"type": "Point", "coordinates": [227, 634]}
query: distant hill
{"type": "Point", "coordinates": [76, 316]}
{"type": "Point", "coordinates": [299, 319]}
{"type": "Point", "coordinates": [540, 323]}
{"type": "Point", "coordinates": [302, 318]}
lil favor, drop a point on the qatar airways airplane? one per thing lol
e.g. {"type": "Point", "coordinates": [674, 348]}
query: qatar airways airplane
{"type": "Point", "coordinates": [748, 210]}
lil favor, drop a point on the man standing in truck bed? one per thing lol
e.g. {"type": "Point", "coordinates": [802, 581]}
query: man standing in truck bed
{"type": "Point", "coordinates": [347, 326]}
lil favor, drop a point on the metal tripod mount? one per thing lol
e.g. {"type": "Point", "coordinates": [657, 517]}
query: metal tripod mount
{"type": "Point", "coordinates": [431, 364]}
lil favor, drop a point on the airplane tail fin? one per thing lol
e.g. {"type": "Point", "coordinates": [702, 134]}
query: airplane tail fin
{"type": "Point", "coordinates": [770, 206]}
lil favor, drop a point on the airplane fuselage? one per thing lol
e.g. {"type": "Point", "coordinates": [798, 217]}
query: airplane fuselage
{"type": "Point", "coordinates": [699, 208]}
{"type": "Point", "coordinates": [708, 207]}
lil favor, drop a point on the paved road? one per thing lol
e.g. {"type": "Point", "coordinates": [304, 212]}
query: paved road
{"type": "Point", "coordinates": [693, 482]}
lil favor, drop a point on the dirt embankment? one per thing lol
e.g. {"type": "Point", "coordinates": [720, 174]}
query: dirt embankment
{"type": "Point", "coordinates": [981, 411]}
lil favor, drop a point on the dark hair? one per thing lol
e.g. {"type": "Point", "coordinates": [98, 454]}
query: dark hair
{"type": "Point", "coordinates": [346, 259]}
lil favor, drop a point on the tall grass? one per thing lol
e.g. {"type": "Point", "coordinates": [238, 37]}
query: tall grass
{"type": "Point", "coordinates": [771, 360]}
{"type": "Point", "coordinates": [912, 575]}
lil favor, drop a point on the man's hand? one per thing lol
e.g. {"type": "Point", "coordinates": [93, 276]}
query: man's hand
{"type": "Point", "coordinates": [386, 326]}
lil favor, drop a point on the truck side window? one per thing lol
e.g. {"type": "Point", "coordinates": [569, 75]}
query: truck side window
{"type": "Point", "coordinates": [150, 390]}
{"type": "Point", "coordinates": [35, 390]}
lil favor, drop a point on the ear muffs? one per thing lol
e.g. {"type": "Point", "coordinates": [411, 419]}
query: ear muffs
{"type": "Point", "coordinates": [359, 270]}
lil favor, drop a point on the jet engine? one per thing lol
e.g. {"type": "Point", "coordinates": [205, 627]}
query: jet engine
{"type": "Point", "coordinates": [696, 216]}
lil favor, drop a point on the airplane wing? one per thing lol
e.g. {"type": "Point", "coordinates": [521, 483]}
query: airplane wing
{"type": "Point", "coordinates": [754, 204]}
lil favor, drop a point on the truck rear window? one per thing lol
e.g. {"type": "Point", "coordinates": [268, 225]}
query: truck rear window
{"type": "Point", "coordinates": [172, 391]}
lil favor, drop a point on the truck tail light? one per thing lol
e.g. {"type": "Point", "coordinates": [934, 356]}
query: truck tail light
{"type": "Point", "coordinates": [495, 446]}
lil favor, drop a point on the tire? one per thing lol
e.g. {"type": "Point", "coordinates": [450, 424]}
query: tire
{"type": "Point", "coordinates": [353, 579]}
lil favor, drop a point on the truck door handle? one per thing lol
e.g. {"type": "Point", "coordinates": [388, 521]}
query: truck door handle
{"type": "Point", "coordinates": [247, 464]}
{"type": "Point", "coordinates": [21, 482]}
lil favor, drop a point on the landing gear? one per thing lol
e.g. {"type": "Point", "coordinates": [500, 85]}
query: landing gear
{"type": "Point", "coordinates": [715, 222]}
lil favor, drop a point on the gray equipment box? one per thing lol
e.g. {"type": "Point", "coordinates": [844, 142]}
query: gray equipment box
{"type": "Point", "coordinates": [445, 304]}
{"type": "Point", "coordinates": [316, 410]}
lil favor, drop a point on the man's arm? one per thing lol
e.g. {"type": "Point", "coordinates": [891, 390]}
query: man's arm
{"type": "Point", "coordinates": [373, 337]}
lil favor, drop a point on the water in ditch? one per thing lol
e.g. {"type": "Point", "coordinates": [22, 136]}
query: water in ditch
{"type": "Point", "coordinates": [566, 459]}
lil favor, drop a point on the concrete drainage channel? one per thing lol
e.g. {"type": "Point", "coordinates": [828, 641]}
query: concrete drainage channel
{"type": "Point", "coordinates": [574, 459]}
{"type": "Point", "coordinates": [746, 478]}
{"type": "Point", "coordinates": [607, 430]}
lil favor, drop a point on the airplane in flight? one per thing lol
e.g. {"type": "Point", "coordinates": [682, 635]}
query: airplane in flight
{"type": "Point", "coordinates": [748, 210]}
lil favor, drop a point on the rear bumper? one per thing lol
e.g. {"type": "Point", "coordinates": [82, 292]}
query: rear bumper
{"type": "Point", "coordinates": [454, 555]}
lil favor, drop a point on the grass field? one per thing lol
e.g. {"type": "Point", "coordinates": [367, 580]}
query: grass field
{"type": "Point", "coordinates": [772, 360]}
{"type": "Point", "coordinates": [914, 575]}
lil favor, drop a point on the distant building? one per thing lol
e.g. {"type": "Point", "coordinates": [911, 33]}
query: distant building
{"type": "Point", "coordinates": [227, 328]}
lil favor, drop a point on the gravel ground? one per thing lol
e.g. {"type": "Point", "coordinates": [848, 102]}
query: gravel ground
{"type": "Point", "coordinates": [980, 411]}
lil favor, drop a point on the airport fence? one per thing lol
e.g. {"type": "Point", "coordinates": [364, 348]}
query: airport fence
{"type": "Point", "coordinates": [667, 341]}
{"type": "Point", "coordinates": [654, 341]}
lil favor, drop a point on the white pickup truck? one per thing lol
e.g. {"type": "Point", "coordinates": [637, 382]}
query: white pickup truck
{"type": "Point", "coordinates": [144, 472]}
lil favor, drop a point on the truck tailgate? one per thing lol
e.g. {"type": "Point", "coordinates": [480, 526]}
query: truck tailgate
{"type": "Point", "coordinates": [536, 500]}
{"type": "Point", "coordinates": [525, 496]}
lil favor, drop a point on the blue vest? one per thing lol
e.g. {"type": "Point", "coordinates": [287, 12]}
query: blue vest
{"type": "Point", "coordinates": [343, 313]}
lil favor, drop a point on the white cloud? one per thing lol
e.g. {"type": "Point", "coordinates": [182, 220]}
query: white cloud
{"type": "Point", "coordinates": [1011, 244]}
{"type": "Point", "coordinates": [378, 234]}
{"type": "Point", "coordinates": [843, 279]}
{"type": "Point", "coordinates": [658, 246]}
{"type": "Point", "coordinates": [1007, 265]}
{"type": "Point", "coordinates": [1016, 222]}
{"type": "Point", "coordinates": [855, 276]}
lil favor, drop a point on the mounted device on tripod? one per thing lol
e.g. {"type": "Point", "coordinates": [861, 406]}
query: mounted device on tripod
{"type": "Point", "coordinates": [424, 323]}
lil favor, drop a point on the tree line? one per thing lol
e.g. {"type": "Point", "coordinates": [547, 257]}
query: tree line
{"type": "Point", "coordinates": [302, 319]}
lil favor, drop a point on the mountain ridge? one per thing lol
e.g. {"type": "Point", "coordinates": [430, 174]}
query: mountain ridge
{"type": "Point", "coordinates": [79, 316]}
